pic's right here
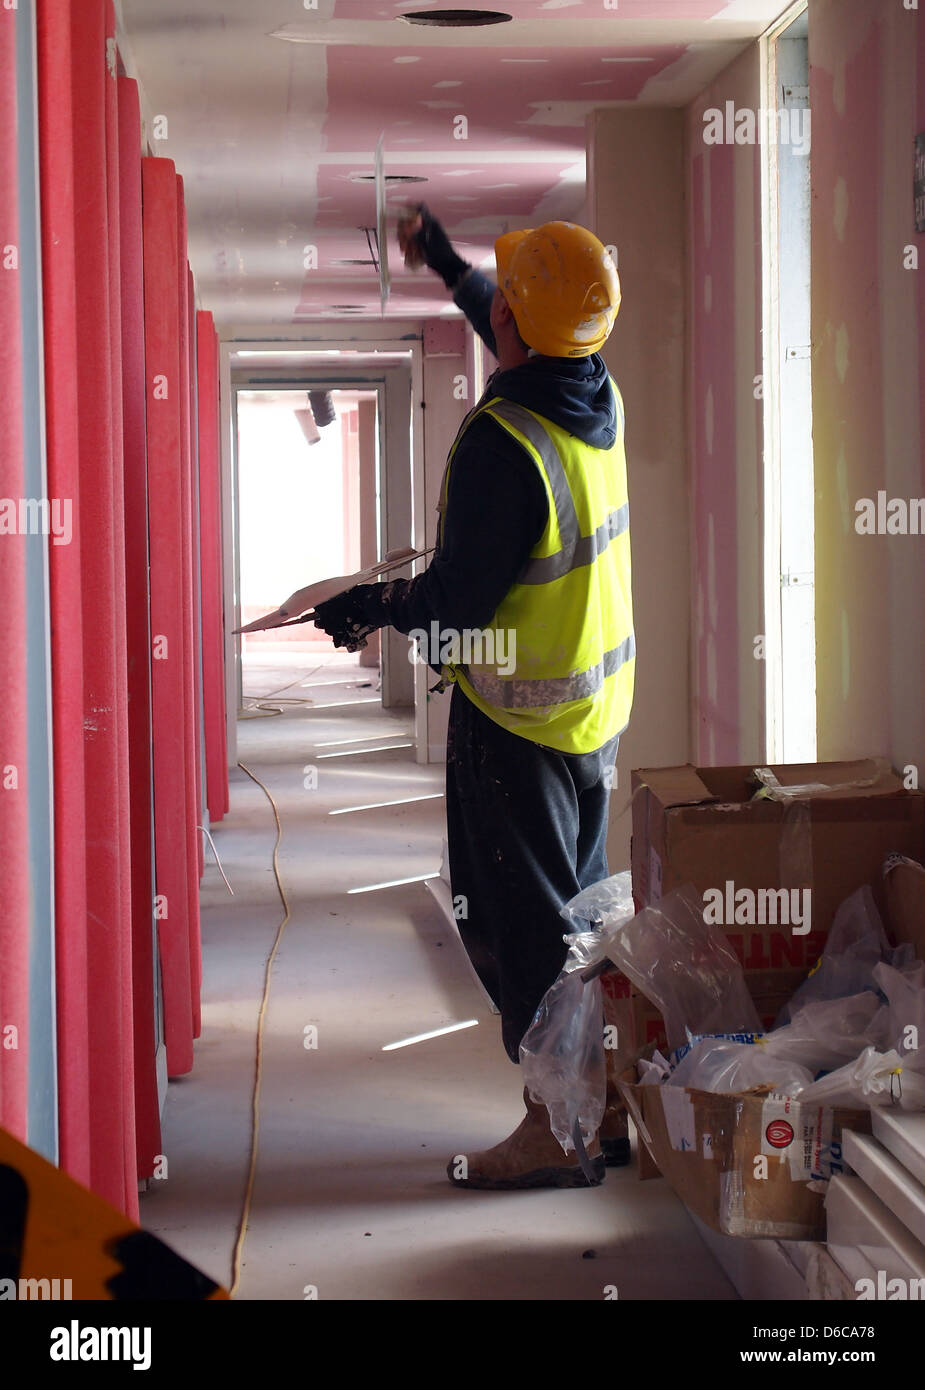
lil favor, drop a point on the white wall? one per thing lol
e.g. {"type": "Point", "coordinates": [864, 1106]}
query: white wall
{"type": "Point", "coordinates": [442, 416]}
{"type": "Point", "coordinates": [635, 201]}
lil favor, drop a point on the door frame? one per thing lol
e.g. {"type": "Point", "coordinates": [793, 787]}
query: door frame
{"type": "Point", "coordinates": [368, 337]}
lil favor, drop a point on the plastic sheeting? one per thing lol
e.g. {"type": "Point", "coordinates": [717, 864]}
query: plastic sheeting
{"type": "Point", "coordinates": [116, 298]}
{"type": "Point", "coordinates": [101, 522]}
{"type": "Point", "coordinates": [190, 620]}
{"type": "Point", "coordinates": [210, 522]}
{"type": "Point", "coordinates": [14, 899]}
{"type": "Point", "coordinates": [135, 482]}
{"type": "Point", "coordinates": [56, 164]}
{"type": "Point", "coordinates": [163, 381]}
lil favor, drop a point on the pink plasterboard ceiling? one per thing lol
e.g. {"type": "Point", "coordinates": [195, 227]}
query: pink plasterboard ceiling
{"type": "Point", "coordinates": [274, 113]}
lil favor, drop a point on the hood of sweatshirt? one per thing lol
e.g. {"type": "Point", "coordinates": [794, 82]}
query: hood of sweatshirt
{"type": "Point", "coordinates": [573, 392]}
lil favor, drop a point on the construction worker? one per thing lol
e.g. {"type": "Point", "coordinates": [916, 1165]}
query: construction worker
{"type": "Point", "coordinates": [533, 551]}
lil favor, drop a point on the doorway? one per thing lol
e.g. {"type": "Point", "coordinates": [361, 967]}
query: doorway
{"type": "Point", "coordinates": [381, 382]}
{"type": "Point", "coordinates": [308, 510]}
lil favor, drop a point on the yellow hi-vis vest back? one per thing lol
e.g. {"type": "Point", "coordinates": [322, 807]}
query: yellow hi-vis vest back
{"type": "Point", "coordinates": [566, 624]}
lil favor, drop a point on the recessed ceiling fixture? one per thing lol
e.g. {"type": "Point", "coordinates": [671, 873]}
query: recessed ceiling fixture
{"type": "Point", "coordinates": [457, 19]}
{"type": "Point", "coordinates": [389, 178]}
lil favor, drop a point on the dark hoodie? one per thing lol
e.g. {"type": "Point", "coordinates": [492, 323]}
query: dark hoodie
{"type": "Point", "coordinates": [496, 505]}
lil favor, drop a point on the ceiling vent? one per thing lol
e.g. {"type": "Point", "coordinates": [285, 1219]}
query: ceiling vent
{"type": "Point", "coordinates": [389, 178]}
{"type": "Point", "coordinates": [457, 19]}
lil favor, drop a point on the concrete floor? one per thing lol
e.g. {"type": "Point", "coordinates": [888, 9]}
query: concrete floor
{"type": "Point", "coordinates": [351, 1197]}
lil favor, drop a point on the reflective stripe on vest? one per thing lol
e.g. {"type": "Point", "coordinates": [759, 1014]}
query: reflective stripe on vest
{"type": "Point", "coordinates": [510, 693]}
{"type": "Point", "coordinates": [576, 548]}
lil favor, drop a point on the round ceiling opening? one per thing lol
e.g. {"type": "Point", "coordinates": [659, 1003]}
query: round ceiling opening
{"type": "Point", "coordinates": [389, 178]}
{"type": "Point", "coordinates": [457, 19]}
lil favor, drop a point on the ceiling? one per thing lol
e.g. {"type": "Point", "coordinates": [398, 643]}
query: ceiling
{"type": "Point", "coordinates": [275, 136]}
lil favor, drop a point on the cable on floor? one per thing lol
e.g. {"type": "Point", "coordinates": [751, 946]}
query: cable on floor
{"type": "Point", "coordinates": [217, 860]}
{"type": "Point", "coordinates": [258, 710]}
{"type": "Point", "coordinates": [265, 711]}
{"type": "Point", "coordinates": [261, 1017]}
{"type": "Point", "coordinates": [299, 680]}
{"type": "Point", "coordinates": [258, 1064]}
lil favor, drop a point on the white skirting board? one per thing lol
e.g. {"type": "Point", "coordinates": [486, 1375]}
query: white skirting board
{"type": "Point", "coordinates": [758, 1269]}
{"type": "Point", "coordinates": [889, 1180]}
{"type": "Point", "coordinates": [904, 1135]}
{"type": "Point", "coordinates": [834, 1280]}
{"type": "Point", "coordinates": [859, 1224]}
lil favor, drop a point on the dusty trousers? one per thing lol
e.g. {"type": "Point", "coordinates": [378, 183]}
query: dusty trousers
{"type": "Point", "coordinates": [526, 831]}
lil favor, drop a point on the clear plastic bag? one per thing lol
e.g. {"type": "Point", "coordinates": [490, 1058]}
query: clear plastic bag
{"type": "Point", "coordinates": [719, 1064]}
{"type": "Point", "coordinates": [875, 1079]}
{"type": "Point", "coordinates": [562, 1052]}
{"type": "Point", "coordinates": [654, 1072]}
{"type": "Point", "coordinates": [562, 1057]}
{"type": "Point", "coordinates": [855, 944]}
{"type": "Point", "coordinates": [827, 1033]}
{"type": "Point", "coordinates": [605, 904]}
{"type": "Point", "coordinates": [684, 966]}
{"type": "Point", "coordinates": [905, 1025]}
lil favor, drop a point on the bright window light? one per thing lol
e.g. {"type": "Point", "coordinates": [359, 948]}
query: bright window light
{"type": "Point", "coordinates": [375, 805]}
{"type": "Point", "coordinates": [393, 883]}
{"type": "Point", "coordinates": [344, 742]}
{"type": "Point", "coordinates": [352, 752]}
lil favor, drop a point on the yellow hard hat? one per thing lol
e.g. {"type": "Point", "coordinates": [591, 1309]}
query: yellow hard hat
{"type": "Point", "coordinates": [562, 286]}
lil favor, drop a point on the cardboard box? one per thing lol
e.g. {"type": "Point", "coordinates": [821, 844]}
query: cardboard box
{"type": "Point", "coordinates": [769, 991]}
{"type": "Point", "coordinates": [743, 1163]}
{"type": "Point", "coordinates": [706, 1144]}
{"type": "Point", "coordinates": [702, 826]}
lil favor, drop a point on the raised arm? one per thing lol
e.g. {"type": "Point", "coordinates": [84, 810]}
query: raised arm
{"type": "Point", "coordinates": [423, 241]}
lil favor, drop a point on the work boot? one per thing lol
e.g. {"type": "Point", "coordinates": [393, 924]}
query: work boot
{"type": "Point", "coordinates": [530, 1157]}
{"type": "Point", "coordinates": [614, 1131]}
{"type": "Point", "coordinates": [614, 1136]}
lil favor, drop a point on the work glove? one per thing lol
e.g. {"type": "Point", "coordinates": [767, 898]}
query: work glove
{"type": "Point", "coordinates": [421, 237]}
{"type": "Point", "coordinates": [350, 617]}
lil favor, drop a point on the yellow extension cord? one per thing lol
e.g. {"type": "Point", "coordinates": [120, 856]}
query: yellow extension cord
{"type": "Point", "coordinates": [261, 711]}
{"type": "Point", "coordinates": [258, 1068]}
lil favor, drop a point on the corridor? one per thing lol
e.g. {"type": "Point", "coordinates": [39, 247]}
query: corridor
{"type": "Point", "coordinates": [351, 1200]}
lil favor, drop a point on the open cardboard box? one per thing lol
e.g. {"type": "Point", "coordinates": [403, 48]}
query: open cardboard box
{"type": "Point", "coordinates": [701, 825]}
{"type": "Point", "coordinates": [710, 1146]}
{"type": "Point", "coordinates": [743, 1163]}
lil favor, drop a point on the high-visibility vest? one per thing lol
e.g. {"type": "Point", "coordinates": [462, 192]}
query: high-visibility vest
{"type": "Point", "coordinates": [570, 611]}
